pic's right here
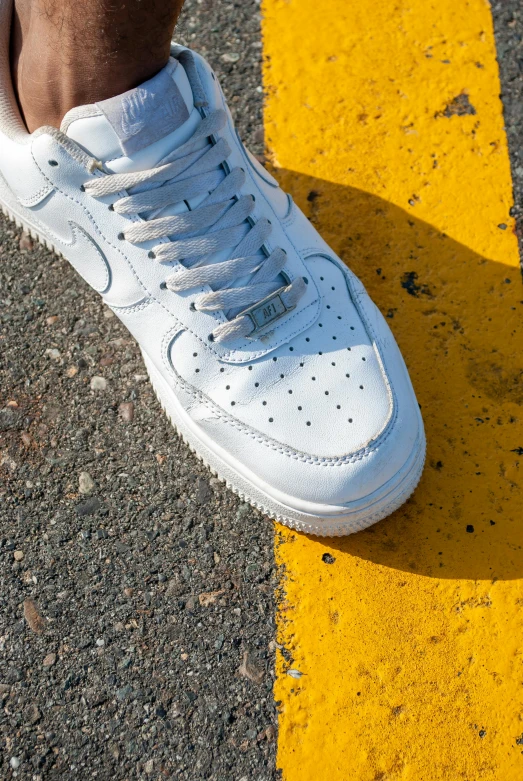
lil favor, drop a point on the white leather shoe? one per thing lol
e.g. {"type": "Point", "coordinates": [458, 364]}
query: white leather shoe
{"type": "Point", "coordinates": [264, 349]}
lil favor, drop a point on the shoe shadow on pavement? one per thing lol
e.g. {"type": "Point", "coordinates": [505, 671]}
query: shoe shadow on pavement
{"type": "Point", "coordinates": [458, 319]}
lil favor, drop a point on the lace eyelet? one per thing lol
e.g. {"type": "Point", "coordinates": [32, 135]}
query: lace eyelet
{"type": "Point", "coordinates": [163, 285]}
{"type": "Point", "coordinates": [211, 337]}
{"type": "Point", "coordinates": [82, 188]}
{"type": "Point", "coordinates": [151, 255]}
{"type": "Point", "coordinates": [121, 236]}
{"type": "Point", "coordinates": [192, 306]}
{"type": "Point", "coordinates": [111, 207]}
{"type": "Point", "coordinates": [53, 163]}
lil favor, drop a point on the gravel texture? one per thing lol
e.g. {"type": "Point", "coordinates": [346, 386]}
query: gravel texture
{"type": "Point", "coordinates": [508, 25]}
{"type": "Point", "coordinates": [137, 607]}
{"type": "Point", "coordinates": [137, 593]}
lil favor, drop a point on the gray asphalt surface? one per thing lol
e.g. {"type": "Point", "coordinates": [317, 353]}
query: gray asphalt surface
{"type": "Point", "coordinates": [148, 585]}
{"type": "Point", "coordinates": [508, 25]}
{"type": "Point", "coordinates": [137, 607]}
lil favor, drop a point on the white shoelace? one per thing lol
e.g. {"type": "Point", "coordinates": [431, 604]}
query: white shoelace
{"type": "Point", "coordinates": [220, 222]}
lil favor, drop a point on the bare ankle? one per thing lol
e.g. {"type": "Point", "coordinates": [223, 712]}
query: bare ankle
{"type": "Point", "coordinates": [59, 61]}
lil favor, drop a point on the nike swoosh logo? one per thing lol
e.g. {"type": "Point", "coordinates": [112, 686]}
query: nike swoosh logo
{"type": "Point", "coordinates": [84, 254]}
{"type": "Point", "coordinates": [81, 250]}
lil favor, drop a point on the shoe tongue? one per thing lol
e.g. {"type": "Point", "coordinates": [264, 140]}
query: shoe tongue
{"type": "Point", "coordinates": [135, 130]}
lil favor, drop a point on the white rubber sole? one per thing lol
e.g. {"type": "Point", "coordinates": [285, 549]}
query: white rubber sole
{"type": "Point", "coordinates": [319, 520]}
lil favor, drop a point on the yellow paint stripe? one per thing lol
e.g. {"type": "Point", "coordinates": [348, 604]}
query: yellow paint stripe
{"type": "Point", "coordinates": [385, 123]}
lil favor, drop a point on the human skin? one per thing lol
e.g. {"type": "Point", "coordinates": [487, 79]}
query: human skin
{"type": "Point", "coordinates": [66, 53]}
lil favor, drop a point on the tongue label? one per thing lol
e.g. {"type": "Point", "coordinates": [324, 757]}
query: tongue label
{"type": "Point", "coordinates": [146, 114]}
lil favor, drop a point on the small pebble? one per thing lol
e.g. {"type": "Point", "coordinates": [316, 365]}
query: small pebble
{"type": "Point", "coordinates": [26, 245]}
{"type": "Point", "coordinates": [15, 762]}
{"type": "Point", "coordinates": [126, 411]}
{"type": "Point", "coordinates": [230, 57]}
{"type": "Point", "coordinates": [98, 383]}
{"type": "Point", "coordinates": [49, 660]}
{"type": "Point", "coordinates": [124, 692]}
{"type": "Point", "coordinates": [85, 483]}
{"type": "Point", "coordinates": [18, 555]}
{"type": "Point", "coordinates": [89, 507]}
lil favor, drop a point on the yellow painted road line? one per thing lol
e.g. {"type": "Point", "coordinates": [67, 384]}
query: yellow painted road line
{"type": "Point", "coordinates": [385, 121]}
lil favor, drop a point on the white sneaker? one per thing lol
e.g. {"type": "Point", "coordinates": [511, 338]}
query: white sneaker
{"type": "Point", "coordinates": [264, 349]}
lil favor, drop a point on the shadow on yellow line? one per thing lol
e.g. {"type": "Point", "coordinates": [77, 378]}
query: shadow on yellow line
{"type": "Point", "coordinates": [458, 318]}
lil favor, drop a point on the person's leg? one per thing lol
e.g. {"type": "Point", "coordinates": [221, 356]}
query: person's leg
{"type": "Point", "coordinates": [65, 53]}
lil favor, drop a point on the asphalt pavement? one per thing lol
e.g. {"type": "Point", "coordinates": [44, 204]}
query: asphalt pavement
{"type": "Point", "coordinates": [137, 593]}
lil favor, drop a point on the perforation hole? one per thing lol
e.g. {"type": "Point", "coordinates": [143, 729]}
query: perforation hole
{"type": "Point", "coordinates": [233, 403]}
{"type": "Point", "coordinates": [227, 387]}
{"type": "Point", "coordinates": [363, 358]}
{"type": "Point", "coordinates": [300, 408]}
{"type": "Point", "coordinates": [326, 393]}
{"type": "Point", "coordinates": [338, 406]}
{"type": "Point", "coordinates": [264, 403]}
{"type": "Point", "coordinates": [361, 387]}
{"type": "Point", "coordinates": [194, 355]}
{"type": "Point", "coordinates": [222, 369]}
{"type": "Point", "coordinates": [282, 376]}
{"type": "Point", "coordinates": [308, 422]}
{"type": "Point", "coordinates": [250, 368]}
{"type": "Point", "coordinates": [307, 339]}
{"type": "Point", "coordinates": [289, 391]}
{"type": "Point", "coordinates": [313, 378]}
{"type": "Point", "coordinates": [256, 384]}
{"type": "Point", "coordinates": [350, 420]}
{"type": "Point", "coordinates": [271, 420]}
{"type": "Point", "coordinates": [275, 358]}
